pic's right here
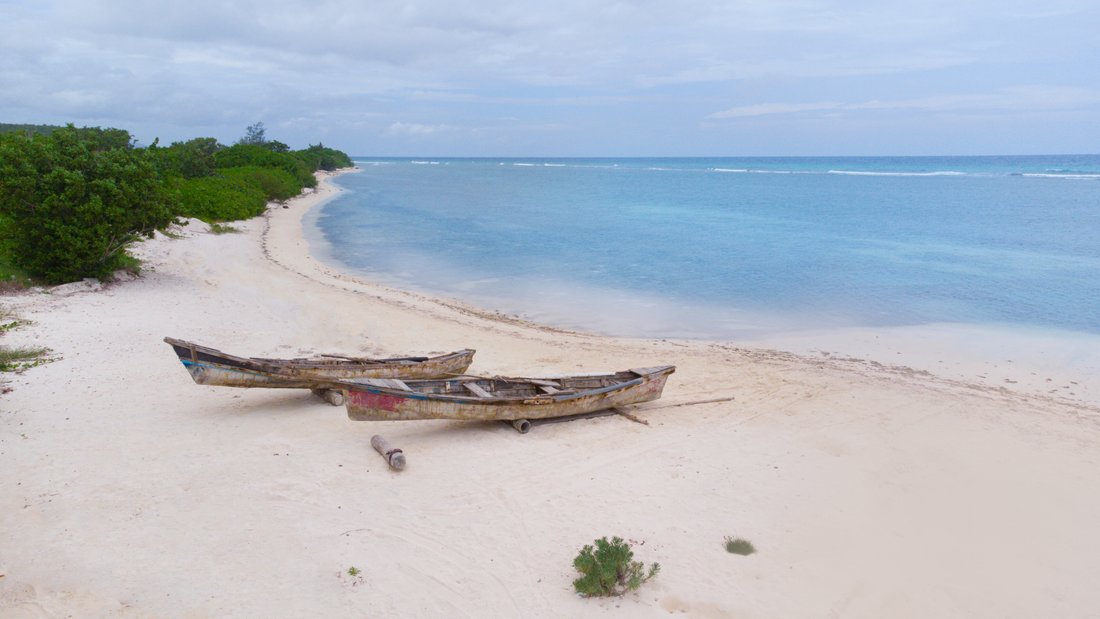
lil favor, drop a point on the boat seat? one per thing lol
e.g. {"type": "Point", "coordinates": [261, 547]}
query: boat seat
{"type": "Point", "coordinates": [547, 389]}
{"type": "Point", "coordinates": [392, 383]}
{"type": "Point", "coordinates": [477, 390]}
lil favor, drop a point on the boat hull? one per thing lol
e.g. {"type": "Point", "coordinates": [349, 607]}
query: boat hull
{"type": "Point", "coordinates": [369, 403]}
{"type": "Point", "coordinates": [207, 366]}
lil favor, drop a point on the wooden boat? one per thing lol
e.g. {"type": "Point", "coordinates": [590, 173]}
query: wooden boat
{"type": "Point", "coordinates": [505, 399]}
{"type": "Point", "coordinates": [208, 366]}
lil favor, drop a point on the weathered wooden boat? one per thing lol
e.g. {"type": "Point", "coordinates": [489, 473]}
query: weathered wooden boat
{"type": "Point", "coordinates": [498, 398]}
{"type": "Point", "coordinates": [209, 366]}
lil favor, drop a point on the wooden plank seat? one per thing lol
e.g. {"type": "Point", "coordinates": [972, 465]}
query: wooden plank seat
{"type": "Point", "coordinates": [477, 390]}
{"type": "Point", "coordinates": [392, 383]}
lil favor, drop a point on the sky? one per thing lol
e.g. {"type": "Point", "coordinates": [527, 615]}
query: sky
{"type": "Point", "coordinates": [567, 77]}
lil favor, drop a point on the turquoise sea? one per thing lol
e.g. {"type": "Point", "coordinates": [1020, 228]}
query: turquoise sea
{"type": "Point", "coordinates": [730, 247]}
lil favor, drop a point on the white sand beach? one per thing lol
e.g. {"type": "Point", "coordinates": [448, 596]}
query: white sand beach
{"type": "Point", "coordinates": [919, 472]}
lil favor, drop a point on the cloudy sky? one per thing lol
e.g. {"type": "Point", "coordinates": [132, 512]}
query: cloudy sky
{"type": "Point", "coordinates": [568, 77]}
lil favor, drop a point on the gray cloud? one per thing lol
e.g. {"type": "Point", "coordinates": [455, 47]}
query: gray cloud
{"type": "Point", "coordinates": [1016, 99]}
{"type": "Point", "coordinates": [355, 71]}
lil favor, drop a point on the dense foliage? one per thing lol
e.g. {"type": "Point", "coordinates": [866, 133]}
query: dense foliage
{"type": "Point", "coordinates": [609, 568]}
{"type": "Point", "coordinates": [190, 159]}
{"type": "Point", "coordinates": [319, 157]}
{"type": "Point", "coordinates": [72, 199]}
{"type": "Point", "coordinates": [219, 198]}
{"type": "Point", "coordinates": [276, 184]}
{"type": "Point", "coordinates": [240, 155]}
{"type": "Point", "coordinates": [28, 129]}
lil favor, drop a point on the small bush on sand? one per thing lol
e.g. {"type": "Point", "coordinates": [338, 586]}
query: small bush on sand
{"type": "Point", "coordinates": [220, 228]}
{"type": "Point", "coordinates": [16, 359]}
{"type": "Point", "coordinates": [21, 358]}
{"type": "Point", "coordinates": [738, 546]}
{"type": "Point", "coordinates": [608, 568]}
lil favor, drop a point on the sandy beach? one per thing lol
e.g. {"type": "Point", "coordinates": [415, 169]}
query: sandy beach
{"type": "Point", "coordinates": [922, 472]}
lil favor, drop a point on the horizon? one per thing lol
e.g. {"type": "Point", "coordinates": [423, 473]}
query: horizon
{"type": "Point", "coordinates": [140, 143]}
{"type": "Point", "coordinates": [570, 80]}
{"type": "Point", "coordinates": [886, 156]}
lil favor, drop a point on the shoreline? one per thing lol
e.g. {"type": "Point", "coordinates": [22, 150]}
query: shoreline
{"type": "Point", "coordinates": [1032, 361]}
{"type": "Point", "coordinates": [869, 488]}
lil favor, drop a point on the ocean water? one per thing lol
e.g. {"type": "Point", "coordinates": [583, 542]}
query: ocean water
{"type": "Point", "coordinates": [732, 247]}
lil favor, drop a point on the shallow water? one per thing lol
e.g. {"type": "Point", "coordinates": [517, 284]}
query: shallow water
{"type": "Point", "coordinates": [728, 247]}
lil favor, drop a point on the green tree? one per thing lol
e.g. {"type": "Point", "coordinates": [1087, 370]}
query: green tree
{"type": "Point", "coordinates": [276, 146]}
{"type": "Point", "coordinates": [105, 139]}
{"type": "Point", "coordinates": [72, 201]}
{"type": "Point", "coordinates": [191, 159]}
{"type": "Point", "coordinates": [318, 157]}
{"type": "Point", "coordinates": [254, 134]}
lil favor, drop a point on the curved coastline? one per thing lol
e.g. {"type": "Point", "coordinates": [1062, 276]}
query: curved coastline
{"type": "Point", "coordinates": [859, 481]}
{"type": "Point", "coordinates": [1043, 363]}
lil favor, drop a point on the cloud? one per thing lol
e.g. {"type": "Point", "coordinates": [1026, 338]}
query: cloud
{"type": "Point", "coordinates": [622, 75]}
{"type": "Point", "coordinates": [767, 109]}
{"type": "Point", "coordinates": [1015, 99]}
{"type": "Point", "coordinates": [415, 129]}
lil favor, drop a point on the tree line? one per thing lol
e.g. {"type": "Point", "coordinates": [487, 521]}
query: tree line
{"type": "Point", "coordinates": [73, 199]}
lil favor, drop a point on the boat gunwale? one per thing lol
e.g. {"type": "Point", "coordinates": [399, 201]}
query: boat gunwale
{"type": "Point", "coordinates": [279, 367]}
{"type": "Point", "coordinates": [658, 371]}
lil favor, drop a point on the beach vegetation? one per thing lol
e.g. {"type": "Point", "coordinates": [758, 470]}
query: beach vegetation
{"type": "Point", "coordinates": [242, 155]}
{"type": "Point", "coordinates": [319, 157]}
{"type": "Point", "coordinates": [276, 146]}
{"type": "Point", "coordinates": [191, 159]}
{"type": "Point", "coordinates": [220, 198]}
{"type": "Point", "coordinates": [220, 228]}
{"type": "Point", "coordinates": [739, 546]}
{"type": "Point", "coordinates": [12, 278]}
{"type": "Point", "coordinates": [28, 129]}
{"type": "Point", "coordinates": [73, 200]}
{"type": "Point", "coordinates": [276, 184]}
{"type": "Point", "coordinates": [254, 134]}
{"type": "Point", "coordinates": [22, 358]}
{"type": "Point", "coordinates": [608, 568]}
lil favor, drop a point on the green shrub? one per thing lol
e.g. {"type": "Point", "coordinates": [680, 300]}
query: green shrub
{"type": "Point", "coordinates": [244, 155]}
{"type": "Point", "coordinates": [18, 359]}
{"type": "Point", "coordinates": [28, 129]}
{"type": "Point", "coordinates": [608, 568]}
{"type": "Point", "coordinates": [190, 159]}
{"type": "Point", "coordinates": [738, 546]}
{"type": "Point", "coordinates": [217, 228]}
{"type": "Point", "coordinates": [218, 198]}
{"type": "Point", "coordinates": [276, 184]}
{"type": "Point", "coordinates": [11, 277]}
{"type": "Point", "coordinates": [72, 201]}
{"type": "Point", "coordinates": [318, 157]}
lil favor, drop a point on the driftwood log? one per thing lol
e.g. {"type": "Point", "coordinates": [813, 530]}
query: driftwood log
{"type": "Point", "coordinates": [332, 396]}
{"type": "Point", "coordinates": [394, 457]}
